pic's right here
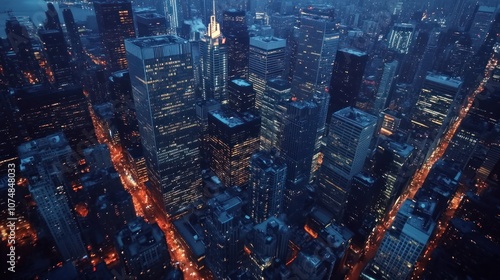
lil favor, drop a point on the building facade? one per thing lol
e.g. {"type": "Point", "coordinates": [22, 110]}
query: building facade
{"type": "Point", "coordinates": [162, 79]}
{"type": "Point", "coordinates": [116, 23]}
{"type": "Point", "coordinates": [350, 133]}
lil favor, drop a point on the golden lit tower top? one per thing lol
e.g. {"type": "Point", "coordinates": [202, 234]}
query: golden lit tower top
{"type": "Point", "coordinates": [213, 30]}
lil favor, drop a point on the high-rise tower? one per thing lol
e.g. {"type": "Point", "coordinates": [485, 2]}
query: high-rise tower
{"type": "Point", "coordinates": [271, 112]}
{"type": "Point", "coordinates": [162, 79]}
{"type": "Point", "coordinates": [348, 140]}
{"type": "Point", "coordinates": [58, 57]}
{"type": "Point", "coordinates": [116, 23]}
{"type": "Point", "coordinates": [435, 103]}
{"type": "Point", "coordinates": [73, 35]}
{"type": "Point", "coordinates": [385, 85]}
{"type": "Point", "coordinates": [214, 69]}
{"type": "Point", "coordinates": [150, 24]}
{"type": "Point", "coordinates": [266, 186]}
{"type": "Point", "coordinates": [266, 60]}
{"type": "Point", "coordinates": [347, 74]}
{"type": "Point", "coordinates": [317, 44]}
{"type": "Point", "coordinates": [238, 41]}
{"type": "Point", "coordinates": [232, 139]}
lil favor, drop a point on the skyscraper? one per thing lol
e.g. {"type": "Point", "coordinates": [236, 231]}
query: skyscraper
{"type": "Point", "coordinates": [162, 79]}
{"type": "Point", "coordinates": [296, 141]}
{"type": "Point", "coordinates": [44, 162]}
{"type": "Point", "coordinates": [349, 136]}
{"type": "Point", "coordinates": [461, 14]}
{"type": "Point", "coordinates": [347, 74]}
{"type": "Point", "coordinates": [174, 15]}
{"type": "Point", "coordinates": [241, 95]}
{"type": "Point", "coordinates": [57, 54]}
{"type": "Point", "coordinates": [224, 242]}
{"type": "Point", "coordinates": [401, 36]}
{"type": "Point", "coordinates": [266, 185]}
{"type": "Point", "coordinates": [483, 18]}
{"type": "Point", "coordinates": [45, 111]}
{"type": "Point", "coordinates": [434, 103]}
{"type": "Point", "coordinates": [116, 23]}
{"type": "Point", "coordinates": [73, 35]}
{"type": "Point", "coordinates": [235, 29]}
{"type": "Point", "coordinates": [266, 61]}
{"type": "Point", "coordinates": [120, 91]}
{"type": "Point", "coordinates": [150, 24]}
{"type": "Point", "coordinates": [52, 22]}
{"type": "Point", "coordinates": [317, 44]}
{"type": "Point", "coordinates": [213, 51]}
{"type": "Point", "coordinates": [360, 201]}
{"type": "Point", "coordinates": [396, 159]}
{"type": "Point", "coordinates": [404, 242]}
{"type": "Point", "coordinates": [384, 87]}
{"type": "Point", "coordinates": [232, 139]}
{"type": "Point", "coordinates": [271, 112]}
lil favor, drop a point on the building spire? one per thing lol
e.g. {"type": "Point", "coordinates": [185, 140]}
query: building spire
{"type": "Point", "coordinates": [213, 26]}
{"type": "Point", "coordinates": [213, 10]}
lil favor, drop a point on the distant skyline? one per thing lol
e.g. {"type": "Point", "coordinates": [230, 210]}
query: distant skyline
{"type": "Point", "coordinates": [35, 9]}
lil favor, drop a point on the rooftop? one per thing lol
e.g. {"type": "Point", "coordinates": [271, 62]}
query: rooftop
{"type": "Point", "coordinates": [271, 222]}
{"type": "Point", "coordinates": [401, 149]}
{"type": "Point", "coordinates": [267, 42]}
{"type": "Point", "coordinates": [138, 236]}
{"type": "Point", "coordinates": [355, 116]}
{"type": "Point", "coordinates": [242, 82]}
{"type": "Point", "coordinates": [155, 41]}
{"type": "Point", "coordinates": [278, 84]}
{"type": "Point", "coordinates": [353, 52]}
{"type": "Point", "coordinates": [365, 178]}
{"type": "Point", "coordinates": [486, 9]}
{"type": "Point", "coordinates": [196, 25]}
{"type": "Point", "coordinates": [120, 74]}
{"type": "Point", "coordinates": [190, 236]}
{"type": "Point", "coordinates": [230, 119]}
{"type": "Point", "coordinates": [266, 160]}
{"type": "Point", "coordinates": [233, 119]}
{"type": "Point", "coordinates": [404, 25]}
{"type": "Point", "coordinates": [55, 141]}
{"type": "Point", "coordinates": [148, 15]}
{"type": "Point", "coordinates": [445, 80]}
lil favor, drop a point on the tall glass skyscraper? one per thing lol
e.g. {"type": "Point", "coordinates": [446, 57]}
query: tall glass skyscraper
{"type": "Point", "coordinates": [384, 88]}
{"type": "Point", "coordinates": [162, 78]}
{"type": "Point", "coordinates": [350, 133]}
{"type": "Point", "coordinates": [435, 102]}
{"type": "Point", "coordinates": [236, 31]}
{"type": "Point", "coordinates": [272, 112]}
{"type": "Point", "coordinates": [317, 44]}
{"type": "Point", "coordinates": [232, 139]}
{"type": "Point", "coordinates": [266, 186]}
{"type": "Point", "coordinates": [116, 23]}
{"type": "Point", "coordinates": [214, 68]}
{"type": "Point", "coordinates": [266, 60]}
{"type": "Point", "coordinates": [347, 75]}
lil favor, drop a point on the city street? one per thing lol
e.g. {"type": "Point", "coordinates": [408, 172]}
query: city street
{"type": "Point", "coordinates": [147, 208]}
